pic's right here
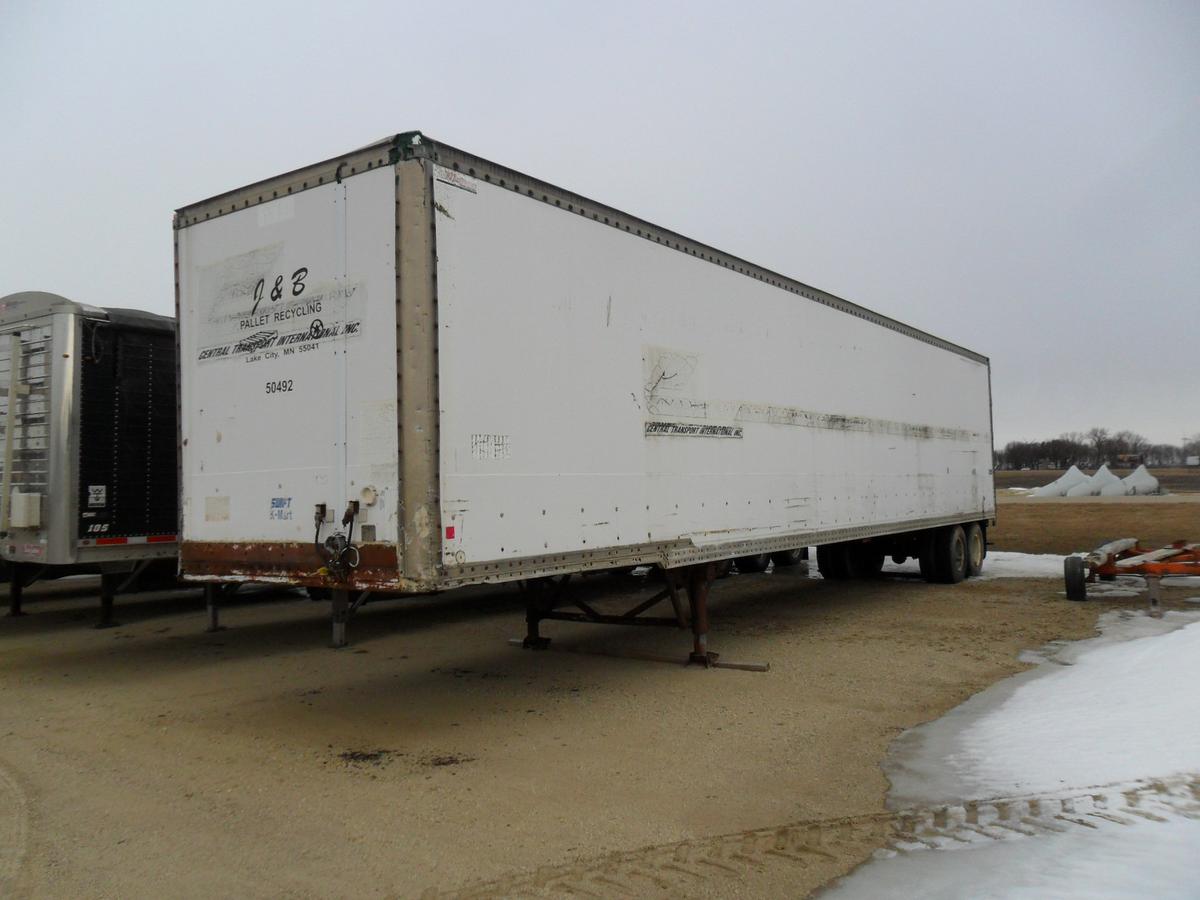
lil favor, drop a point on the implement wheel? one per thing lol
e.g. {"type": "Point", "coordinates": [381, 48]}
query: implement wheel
{"type": "Point", "coordinates": [1075, 575]}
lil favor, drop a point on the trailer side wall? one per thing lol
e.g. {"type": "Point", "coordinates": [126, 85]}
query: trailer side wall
{"type": "Point", "coordinates": [600, 389]}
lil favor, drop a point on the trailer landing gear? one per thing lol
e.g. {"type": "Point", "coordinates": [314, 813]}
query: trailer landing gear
{"type": "Point", "coordinates": [212, 593]}
{"type": "Point", "coordinates": [344, 607]}
{"type": "Point", "coordinates": [16, 587]}
{"type": "Point", "coordinates": [544, 596]}
{"type": "Point", "coordinates": [109, 585]}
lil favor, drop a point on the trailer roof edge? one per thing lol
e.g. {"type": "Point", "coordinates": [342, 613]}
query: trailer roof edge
{"type": "Point", "coordinates": [415, 144]}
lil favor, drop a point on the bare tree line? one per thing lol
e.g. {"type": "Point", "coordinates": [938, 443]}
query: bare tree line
{"type": "Point", "coordinates": [1092, 448]}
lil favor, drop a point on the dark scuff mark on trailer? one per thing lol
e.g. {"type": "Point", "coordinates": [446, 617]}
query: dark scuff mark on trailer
{"type": "Point", "coordinates": [768, 414]}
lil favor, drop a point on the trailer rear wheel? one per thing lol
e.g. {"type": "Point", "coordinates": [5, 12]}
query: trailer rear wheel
{"type": "Point", "coordinates": [1075, 575]}
{"type": "Point", "coordinates": [788, 557]}
{"type": "Point", "coordinates": [975, 549]}
{"type": "Point", "coordinates": [949, 555]}
{"type": "Point", "coordinates": [925, 553]}
{"type": "Point", "coordinates": [756, 563]}
{"type": "Point", "coordinates": [831, 561]}
{"type": "Point", "coordinates": [864, 561]}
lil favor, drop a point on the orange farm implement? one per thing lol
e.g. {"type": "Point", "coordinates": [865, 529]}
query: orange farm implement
{"type": "Point", "coordinates": [1127, 557]}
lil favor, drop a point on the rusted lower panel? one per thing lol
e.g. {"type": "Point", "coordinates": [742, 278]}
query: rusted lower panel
{"type": "Point", "coordinates": [293, 563]}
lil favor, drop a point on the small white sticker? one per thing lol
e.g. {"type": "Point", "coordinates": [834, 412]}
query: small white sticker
{"type": "Point", "coordinates": [491, 446]}
{"type": "Point", "coordinates": [97, 495]}
{"type": "Point", "coordinates": [216, 509]}
{"type": "Point", "coordinates": [281, 508]}
{"type": "Point", "coordinates": [455, 179]}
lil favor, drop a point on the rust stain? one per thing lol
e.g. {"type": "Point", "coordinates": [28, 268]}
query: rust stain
{"type": "Point", "coordinates": [292, 563]}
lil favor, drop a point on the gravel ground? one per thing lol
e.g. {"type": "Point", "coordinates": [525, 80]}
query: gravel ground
{"type": "Point", "coordinates": [432, 758]}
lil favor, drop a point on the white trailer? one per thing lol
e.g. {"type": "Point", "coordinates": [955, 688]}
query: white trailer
{"type": "Point", "coordinates": [408, 369]}
{"type": "Point", "coordinates": [88, 406]}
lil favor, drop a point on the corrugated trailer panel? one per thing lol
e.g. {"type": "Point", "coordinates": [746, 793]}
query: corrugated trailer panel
{"type": "Point", "coordinates": [602, 389]}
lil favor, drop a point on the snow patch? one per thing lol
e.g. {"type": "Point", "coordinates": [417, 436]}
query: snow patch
{"type": "Point", "coordinates": [1115, 713]}
{"type": "Point", "coordinates": [998, 564]}
{"type": "Point", "coordinates": [1120, 707]}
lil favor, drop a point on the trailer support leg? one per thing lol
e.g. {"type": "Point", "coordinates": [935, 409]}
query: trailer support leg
{"type": "Point", "coordinates": [700, 578]}
{"type": "Point", "coordinates": [16, 586]}
{"type": "Point", "coordinates": [1154, 585]}
{"type": "Point", "coordinates": [341, 614]}
{"type": "Point", "coordinates": [538, 601]}
{"type": "Point", "coordinates": [212, 594]}
{"type": "Point", "coordinates": [108, 588]}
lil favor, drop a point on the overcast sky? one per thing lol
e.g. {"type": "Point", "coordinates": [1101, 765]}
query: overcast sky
{"type": "Point", "coordinates": [1021, 178]}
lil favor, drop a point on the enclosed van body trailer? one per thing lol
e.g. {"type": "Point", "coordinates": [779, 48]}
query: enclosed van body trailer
{"type": "Point", "coordinates": [408, 369]}
{"type": "Point", "coordinates": [88, 405]}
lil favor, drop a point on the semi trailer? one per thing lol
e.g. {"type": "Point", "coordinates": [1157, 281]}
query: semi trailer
{"type": "Point", "coordinates": [408, 369]}
{"type": "Point", "coordinates": [88, 405]}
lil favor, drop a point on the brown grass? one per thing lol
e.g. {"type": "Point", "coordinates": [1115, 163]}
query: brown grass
{"type": "Point", "coordinates": [1065, 526]}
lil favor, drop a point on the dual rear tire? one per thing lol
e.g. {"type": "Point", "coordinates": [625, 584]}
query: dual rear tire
{"type": "Point", "coordinates": [953, 553]}
{"type": "Point", "coordinates": [759, 561]}
{"type": "Point", "coordinates": [946, 555]}
{"type": "Point", "coordinates": [849, 560]}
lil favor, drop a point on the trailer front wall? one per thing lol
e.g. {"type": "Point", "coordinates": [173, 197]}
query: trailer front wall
{"type": "Point", "coordinates": [602, 389]}
{"type": "Point", "coordinates": [288, 381]}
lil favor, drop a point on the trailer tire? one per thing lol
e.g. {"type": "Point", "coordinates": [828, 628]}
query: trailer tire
{"type": "Point", "coordinates": [831, 561]}
{"type": "Point", "coordinates": [758, 562]}
{"type": "Point", "coordinates": [863, 561]}
{"type": "Point", "coordinates": [1075, 576]}
{"type": "Point", "coordinates": [788, 557]}
{"type": "Point", "coordinates": [976, 549]}
{"type": "Point", "coordinates": [925, 554]}
{"type": "Point", "coordinates": [949, 555]}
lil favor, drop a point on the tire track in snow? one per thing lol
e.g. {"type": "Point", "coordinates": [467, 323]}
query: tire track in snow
{"type": "Point", "coordinates": [670, 869]}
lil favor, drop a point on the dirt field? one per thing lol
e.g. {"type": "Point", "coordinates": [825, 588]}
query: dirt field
{"type": "Point", "coordinates": [430, 758]}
